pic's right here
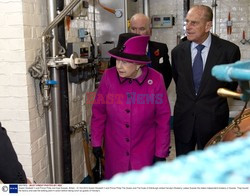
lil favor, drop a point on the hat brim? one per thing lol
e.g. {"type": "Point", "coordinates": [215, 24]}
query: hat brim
{"type": "Point", "coordinates": [129, 57]}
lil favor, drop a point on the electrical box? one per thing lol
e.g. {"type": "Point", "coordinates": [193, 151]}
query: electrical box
{"type": "Point", "coordinates": [162, 21]}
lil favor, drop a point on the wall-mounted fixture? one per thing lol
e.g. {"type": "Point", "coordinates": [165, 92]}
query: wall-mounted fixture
{"type": "Point", "coordinates": [244, 40]}
{"type": "Point", "coordinates": [229, 24]}
{"type": "Point", "coordinates": [162, 21]}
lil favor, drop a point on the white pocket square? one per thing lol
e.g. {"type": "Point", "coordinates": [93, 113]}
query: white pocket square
{"type": "Point", "coordinates": [161, 60]}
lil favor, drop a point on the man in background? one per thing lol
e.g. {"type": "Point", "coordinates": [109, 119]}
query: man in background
{"type": "Point", "coordinates": [158, 52]}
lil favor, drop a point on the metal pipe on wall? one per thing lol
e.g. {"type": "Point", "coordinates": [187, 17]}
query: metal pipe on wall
{"type": "Point", "coordinates": [64, 97]}
{"type": "Point", "coordinates": [52, 15]}
{"type": "Point", "coordinates": [56, 150]}
{"type": "Point", "coordinates": [56, 133]}
{"type": "Point", "coordinates": [146, 7]}
{"type": "Point", "coordinates": [214, 5]}
{"type": "Point", "coordinates": [94, 21]}
{"type": "Point", "coordinates": [57, 127]}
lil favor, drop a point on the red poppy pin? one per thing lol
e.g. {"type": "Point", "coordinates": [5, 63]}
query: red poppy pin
{"type": "Point", "coordinates": [157, 52]}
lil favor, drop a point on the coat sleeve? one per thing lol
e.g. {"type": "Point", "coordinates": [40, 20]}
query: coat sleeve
{"type": "Point", "coordinates": [174, 71]}
{"type": "Point", "coordinates": [11, 170]}
{"type": "Point", "coordinates": [162, 120]}
{"type": "Point", "coordinates": [99, 115]}
{"type": "Point", "coordinates": [234, 56]}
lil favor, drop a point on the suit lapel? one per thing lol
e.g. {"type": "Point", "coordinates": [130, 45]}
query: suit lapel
{"type": "Point", "coordinates": [213, 54]}
{"type": "Point", "coordinates": [187, 61]}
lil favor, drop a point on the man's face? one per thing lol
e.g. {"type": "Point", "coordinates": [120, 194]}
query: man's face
{"type": "Point", "coordinates": [197, 27]}
{"type": "Point", "coordinates": [140, 26]}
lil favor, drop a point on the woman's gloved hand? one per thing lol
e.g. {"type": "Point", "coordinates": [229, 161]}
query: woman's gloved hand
{"type": "Point", "coordinates": [97, 151]}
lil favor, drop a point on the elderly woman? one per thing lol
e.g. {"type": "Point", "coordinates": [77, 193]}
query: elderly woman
{"type": "Point", "coordinates": [131, 112]}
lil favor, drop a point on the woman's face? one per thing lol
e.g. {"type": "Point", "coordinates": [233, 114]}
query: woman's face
{"type": "Point", "coordinates": [127, 69]}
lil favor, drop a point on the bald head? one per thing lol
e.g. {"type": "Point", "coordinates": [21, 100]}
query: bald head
{"type": "Point", "coordinates": [140, 24]}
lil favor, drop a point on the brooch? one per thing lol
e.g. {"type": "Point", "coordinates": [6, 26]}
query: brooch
{"type": "Point", "coordinates": [150, 82]}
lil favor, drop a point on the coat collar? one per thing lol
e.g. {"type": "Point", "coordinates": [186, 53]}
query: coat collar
{"type": "Point", "coordinates": [139, 80]}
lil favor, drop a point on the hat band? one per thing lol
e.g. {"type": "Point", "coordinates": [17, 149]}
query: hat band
{"type": "Point", "coordinates": [132, 58]}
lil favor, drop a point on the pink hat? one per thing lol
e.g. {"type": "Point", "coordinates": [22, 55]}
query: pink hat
{"type": "Point", "coordinates": [131, 47]}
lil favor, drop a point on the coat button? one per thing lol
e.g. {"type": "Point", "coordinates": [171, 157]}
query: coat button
{"type": "Point", "coordinates": [127, 139]}
{"type": "Point", "coordinates": [127, 125]}
{"type": "Point", "coordinates": [127, 110]}
{"type": "Point", "coordinates": [127, 153]}
{"type": "Point", "coordinates": [130, 81]}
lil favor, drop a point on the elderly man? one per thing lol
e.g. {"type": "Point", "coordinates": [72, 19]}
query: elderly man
{"type": "Point", "coordinates": [158, 52]}
{"type": "Point", "coordinates": [199, 113]}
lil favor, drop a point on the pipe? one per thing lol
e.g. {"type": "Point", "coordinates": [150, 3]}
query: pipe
{"type": "Point", "coordinates": [64, 104]}
{"type": "Point", "coordinates": [126, 16]}
{"type": "Point", "coordinates": [214, 5]}
{"type": "Point", "coordinates": [46, 104]}
{"type": "Point", "coordinates": [48, 135]}
{"type": "Point", "coordinates": [56, 152]}
{"type": "Point", "coordinates": [64, 94]}
{"type": "Point", "coordinates": [52, 25]}
{"type": "Point", "coordinates": [111, 10]}
{"type": "Point", "coordinates": [94, 21]}
{"type": "Point", "coordinates": [146, 7]}
{"type": "Point", "coordinates": [57, 127]}
{"type": "Point", "coordinates": [59, 17]}
{"type": "Point", "coordinates": [52, 15]}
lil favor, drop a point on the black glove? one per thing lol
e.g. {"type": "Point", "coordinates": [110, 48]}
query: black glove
{"type": "Point", "coordinates": [169, 150]}
{"type": "Point", "coordinates": [97, 151]}
{"type": "Point", "coordinates": [158, 159]}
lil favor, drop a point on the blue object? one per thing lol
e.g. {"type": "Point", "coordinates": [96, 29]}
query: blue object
{"type": "Point", "coordinates": [82, 33]}
{"type": "Point", "coordinates": [13, 188]}
{"type": "Point", "coordinates": [224, 163]}
{"type": "Point", "coordinates": [51, 82]}
{"type": "Point", "coordinates": [229, 72]}
{"type": "Point", "coordinates": [198, 67]}
{"type": "Point", "coordinates": [239, 71]}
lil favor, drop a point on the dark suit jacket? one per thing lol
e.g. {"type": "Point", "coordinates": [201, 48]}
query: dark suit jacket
{"type": "Point", "coordinates": [159, 60]}
{"type": "Point", "coordinates": [207, 111]}
{"type": "Point", "coordinates": [11, 170]}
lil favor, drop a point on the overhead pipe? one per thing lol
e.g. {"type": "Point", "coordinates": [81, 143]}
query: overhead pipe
{"type": "Point", "coordinates": [55, 154]}
{"type": "Point", "coordinates": [52, 25]}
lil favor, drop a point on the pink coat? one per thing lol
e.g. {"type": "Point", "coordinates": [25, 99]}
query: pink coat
{"type": "Point", "coordinates": [132, 118]}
